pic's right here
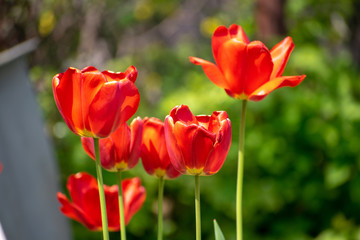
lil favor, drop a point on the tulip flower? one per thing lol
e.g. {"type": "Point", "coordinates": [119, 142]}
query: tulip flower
{"type": "Point", "coordinates": [121, 150]}
{"type": "Point", "coordinates": [197, 145]}
{"type": "Point", "coordinates": [154, 154]}
{"type": "Point", "coordinates": [93, 103]}
{"type": "Point", "coordinates": [1, 167]}
{"type": "Point", "coordinates": [85, 205]}
{"type": "Point", "coordinates": [156, 160]}
{"type": "Point", "coordinates": [247, 70]}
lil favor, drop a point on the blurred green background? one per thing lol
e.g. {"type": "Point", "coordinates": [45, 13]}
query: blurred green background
{"type": "Point", "coordinates": [302, 149]}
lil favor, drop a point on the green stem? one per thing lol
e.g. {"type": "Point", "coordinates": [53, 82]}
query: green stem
{"type": "Point", "coordinates": [197, 207]}
{"type": "Point", "coordinates": [101, 190]}
{"type": "Point", "coordinates": [121, 208]}
{"type": "Point", "coordinates": [240, 172]}
{"type": "Point", "coordinates": [160, 201]}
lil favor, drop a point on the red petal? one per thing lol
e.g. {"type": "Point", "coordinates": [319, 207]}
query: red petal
{"type": "Point", "coordinates": [182, 113]}
{"type": "Point", "coordinates": [112, 207]}
{"type": "Point", "coordinates": [221, 35]}
{"type": "Point", "coordinates": [92, 81]}
{"type": "Point", "coordinates": [195, 144]}
{"type": "Point", "coordinates": [222, 145]}
{"type": "Point", "coordinates": [238, 32]}
{"type": "Point", "coordinates": [78, 184]}
{"type": "Point", "coordinates": [91, 206]}
{"type": "Point", "coordinates": [67, 93]}
{"type": "Point", "coordinates": [121, 138]}
{"type": "Point", "coordinates": [116, 102]}
{"type": "Point", "coordinates": [153, 139]}
{"type": "Point", "coordinates": [134, 197]}
{"type": "Point", "coordinates": [136, 128]}
{"type": "Point", "coordinates": [88, 145]}
{"type": "Point", "coordinates": [280, 54]}
{"type": "Point", "coordinates": [232, 63]}
{"type": "Point", "coordinates": [72, 211]}
{"type": "Point", "coordinates": [176, 157]}
{"type": "Point", "coordinates": [107, 151]}
{"type": "Point", "coordinates": [286, 81]}
{"type": "Point", "coordinates": [171, 172]}
{"type": "Point", "coordinates": [211, 71]}
{"type": "Point", "coordinates": [131, 73]}
{"type": "Point", "coordinates": [113, 76]}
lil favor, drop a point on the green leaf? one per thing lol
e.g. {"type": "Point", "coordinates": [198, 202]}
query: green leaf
{"type": "Point", "coordinates": [218, 233]}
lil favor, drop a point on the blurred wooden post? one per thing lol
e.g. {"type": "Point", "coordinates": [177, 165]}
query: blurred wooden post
{"type": "Point", "coordinates": [269, 16]}
{"type": "Point", "coordinates": [29, 180]}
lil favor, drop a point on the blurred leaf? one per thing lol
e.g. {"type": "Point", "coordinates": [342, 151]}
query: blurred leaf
{"type": "Point", "coordinates": [218, 233]}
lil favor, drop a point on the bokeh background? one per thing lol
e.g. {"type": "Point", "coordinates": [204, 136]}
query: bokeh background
{"type": "Point", "coordinates": [302, 149]}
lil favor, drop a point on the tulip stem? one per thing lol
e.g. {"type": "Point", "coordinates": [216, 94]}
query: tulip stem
{"type": "Point", "coordinates": [121, 208]}
{"type": "Point", "coordinates": [101, 190]}
{"type": "Point", "coordinates": [197, 207]}
{"type": "Point", "coordinates": [240, 173]}
{"type": "Point", "coordinates": [160, 201]}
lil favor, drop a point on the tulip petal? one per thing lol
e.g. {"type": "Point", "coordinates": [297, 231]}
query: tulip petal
{"type": "Point", "coordinates": [72, 211]}
{"type": "Point", "coordinates": [67, 93]}
{"type": "Point", "coordinates": [116, 102]}
{"type": "Point", "coordinates": [92, 81]}
{"type": "Point", "coordinates": [131, 73]}
{"type": "Point", "coordinates": [195, 143]}
{"type": "Point", "coordinates": [88, 145]}
{"type": "Point", "coordinates": [171, 172]}
{"type": "Point", "coordinates": [221, 35]}
{"type": "Point", "coordinates": [112, 207]}
{"type": "Point", "coordinates": [107, 151]}
{"type": "Point", "coordinates": [134, 197]}
{"type": "Point", "coordinates": [121, 138]}
{"type": "Point", "coordinates": [211, 71]}
{"type": "Point", "coordinates": [91, 205]}
{"type": "Point", "coordinates": [176, 156]}
{"type": "Point", "coordinates": [77, 184]}
{"type": "Point", "coordinates": [136, 129]}
{"type": "Point", "coordinates": [236, 31]}
{"type": "Point", "coordinates": [113, 76]}
{"type": "Point", "coordinates": [153, 138]}
{"type": "Point", "coordinates": [203, 120]}
{"type": "Point", "coordinates": [245, 67]}
{"type": "Point", "coordinates": [280, 54]}
{"type": "Point", "coordinates": [182, 113]}
{"type": "Point", "coordinates": [221, 147]}
{"type": "Point", "coordinates": [286, 81]}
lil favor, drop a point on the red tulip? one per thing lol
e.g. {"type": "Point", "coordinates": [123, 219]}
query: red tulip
{"type": "Point", "coordinates": [247, 70]}
{"type": "Point", "coordinates": [197, 145]}
{"type": "Point", "coordinates": [154, 155]}
{"type": "Point", "coordinates": [93, 103]}
{"type": "Point", "coordinates": [1, 167]}
{"type": "Point", "coordinates": [85, 205]}
{"type": "Point", "coordinates": [121, 150]}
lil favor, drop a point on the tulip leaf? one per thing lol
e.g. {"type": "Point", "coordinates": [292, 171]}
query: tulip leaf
{"type": "Point", "coordinates": [218, 233]}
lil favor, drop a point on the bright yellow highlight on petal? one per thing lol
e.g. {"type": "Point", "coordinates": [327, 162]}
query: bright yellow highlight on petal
{"type": "Point", "coordinates": [208, 26]}
{"type": "Point", "coordinates": [46, 23]}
